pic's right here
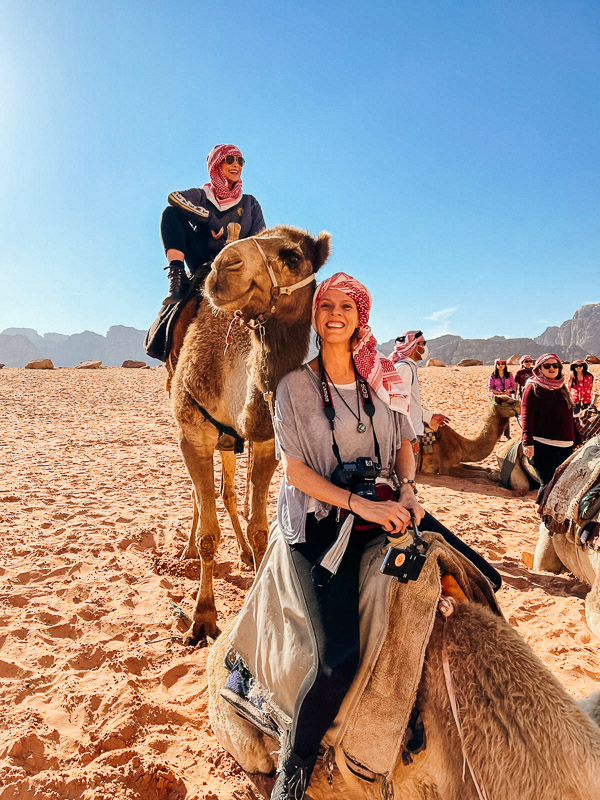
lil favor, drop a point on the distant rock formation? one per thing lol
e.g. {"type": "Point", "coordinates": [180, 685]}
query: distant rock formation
{"type": "Point", "coordinates": [582, 331]}
{"type": "Point", "coordinates": [130, 364]}
{"type": "Point", "coordinates": [40, 363]}
{"type": "Point", "coordinates": [18, 346]}
{"type": "Point", "coordinates": [89, 365]}
{"type": "Point", "coordinates": [435, 362]}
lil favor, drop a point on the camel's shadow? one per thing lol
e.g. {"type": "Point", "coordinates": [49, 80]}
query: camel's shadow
{"type": "Point", "coordinates": [520, 577]}
{"type": "Point", "coordinates": [476, 484]}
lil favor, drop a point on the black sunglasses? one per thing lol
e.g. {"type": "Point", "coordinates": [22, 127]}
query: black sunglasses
{"type": "Point", "coordinates": [578, 366]}
{"type": "Point", "coordinates": [550, 366]}
{"type": "Point", "coordinates": [233, 159]}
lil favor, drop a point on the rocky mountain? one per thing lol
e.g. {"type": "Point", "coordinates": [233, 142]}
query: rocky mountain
{"type": "Point", "coordinates": [20, 345]}
{"type": "Point", "coordinates": [575, 338]}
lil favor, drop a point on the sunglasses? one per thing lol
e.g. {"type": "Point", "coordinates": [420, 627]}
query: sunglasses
{"type": "Point", "coordinates": [528, 361]}
{"type": "Point", "coordinates": [233, 159]}
{"type": "Point", "coordinates": [578, 366]}
{"type": "Point", "coordinates": [501, 362]}
{"type": "Point", "coordinates": [549, 366]}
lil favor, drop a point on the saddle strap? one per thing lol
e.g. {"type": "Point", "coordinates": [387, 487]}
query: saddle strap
{"type": "Point", "coordinates": [238, 441]}
{"type": "Point", "coordinates": [454, 706]}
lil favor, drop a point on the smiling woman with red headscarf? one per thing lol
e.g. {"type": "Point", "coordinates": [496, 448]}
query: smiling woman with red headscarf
{"type": "Point", "coordinates": [343, 413]}
{"type": "Point", "coordinates": [549, 432]}
{"type": "Point", "coordinates": [194, 226]}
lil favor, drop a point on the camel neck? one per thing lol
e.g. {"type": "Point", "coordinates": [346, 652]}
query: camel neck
{"type": "Point", "coordinates": [286, 347]}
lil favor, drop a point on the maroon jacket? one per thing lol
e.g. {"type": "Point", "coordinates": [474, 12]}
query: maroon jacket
{"type": "Point", "coordinates": [548, 416]}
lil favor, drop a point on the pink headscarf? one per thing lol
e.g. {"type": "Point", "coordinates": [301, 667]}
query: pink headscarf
{"type": "Point", "coordinates": [218, 191]}
{"type": "Point", "coordinates": [539, 377]}
{"type": "Point", "coordinates": [403, 349]}
{"type": "Point", "coordinates": [379, 372]}
{"type": "Point", "coordinates": [522, 361]}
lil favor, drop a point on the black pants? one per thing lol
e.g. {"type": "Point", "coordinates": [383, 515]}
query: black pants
{"type": "Point", "coordinates": [192, 238]}
{"type": "Point", "coordinates": [546, 459]}
{"type": "Point", "coordinates": [332, 613]}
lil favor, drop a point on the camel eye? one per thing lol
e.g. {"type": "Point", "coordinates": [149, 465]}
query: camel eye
{"type": "Point", "coordinates": [291, 258]}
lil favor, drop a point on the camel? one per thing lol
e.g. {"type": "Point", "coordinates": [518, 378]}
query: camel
{"type": "Point", "coordinates": [523, 735]}
{"type": "Point", "coordinates": [523, 476]}
{"type": "Point", "coordinates": [450, 449]}
{"type": "Point", "coordinates": [268, 279]}
{"type": "Point", "coordinates": [557, 551]}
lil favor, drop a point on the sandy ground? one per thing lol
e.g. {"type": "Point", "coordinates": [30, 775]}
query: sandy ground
{"type": "Point", "coordinates": [94, 508]}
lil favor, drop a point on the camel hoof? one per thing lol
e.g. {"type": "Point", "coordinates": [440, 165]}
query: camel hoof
{"type": "Point", "coordinates": [205, 631]}
{"type": "Point", "coordinates": [246, 560]}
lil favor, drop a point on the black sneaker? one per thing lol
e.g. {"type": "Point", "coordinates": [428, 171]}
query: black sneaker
{"type": "Point", "coordinates": [293, 775]}
{"type": "Point", "coordinates": [177, 283]}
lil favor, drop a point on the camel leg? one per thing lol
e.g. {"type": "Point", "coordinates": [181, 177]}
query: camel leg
{"type": "Point", "coordinates": [197, 451]}
{"type": "Point", "coordinates": [469, 471]}
{"type": "Point", "coordinates": [228, 461]}
{"type": "Point", "coordinates": [263, 467]}
{"type": "Point", "coordinates": [191, 548]}
{"type": "Point", "coordinates": [592, 607]}
{"type": "Point", "coordinates": [545, 557]}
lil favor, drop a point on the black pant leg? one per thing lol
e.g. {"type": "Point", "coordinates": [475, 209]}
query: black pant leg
{"type": "Point", "coordinates": [546, 460]}
{"type": "Point", "coordinates": [332, 613]}
{"type": "Point", "coordinates": [172, 231]}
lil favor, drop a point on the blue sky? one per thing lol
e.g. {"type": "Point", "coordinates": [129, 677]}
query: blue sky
{"type": "Point", "coordinates": [451, 149]}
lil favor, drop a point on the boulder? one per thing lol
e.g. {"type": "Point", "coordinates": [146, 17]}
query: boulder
{"type": "Point", "coordinates": [89, 365]}
{"type": "Point", "coordinates": [592, 359]}
{"type": "Point", "coordinates": [40, 363]}
{"type": "Point", "coordinates": [1, 365]}
{"type": "Point", "coordinates": [129, 364]}
{"type": "Point", "coordinates": [470, 362]}
{"type": "Point", "coordinates": [435, 362]}
{"type": "Point", "coordinates": [514, 359]}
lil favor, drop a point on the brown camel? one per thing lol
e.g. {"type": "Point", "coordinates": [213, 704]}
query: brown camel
{"type": "Point", "coordinates": [269, 278]}
{"type": "Point", "coordinates": [524, 736]}
{"type": "Point", "coordinates": [450, 449]}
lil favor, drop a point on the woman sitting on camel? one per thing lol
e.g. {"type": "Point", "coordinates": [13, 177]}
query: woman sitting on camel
{"type": "Point", "coordinates": [194, 224]}
{"type": "Point", "coordinates": [347, 405]}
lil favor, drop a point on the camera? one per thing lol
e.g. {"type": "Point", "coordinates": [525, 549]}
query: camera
{"type": "Point", "coordinates": [357, 476]}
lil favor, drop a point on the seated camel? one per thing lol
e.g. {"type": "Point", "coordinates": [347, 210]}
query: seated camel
{"type": "Point", "coordinates": [516, 731]}
{"type": "Point", "coordinates": [450, 449]}
{"type": "Point", "coordinates": [563, 539]}
{"type": "Point", "coordinates": [520, 474]}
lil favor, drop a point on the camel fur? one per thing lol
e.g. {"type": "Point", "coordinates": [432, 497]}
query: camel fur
{"type": "Point", "coordinates": [230, 385]}
{"type": "Point", "coordinates": [450, 449]}
{"type": "Point", "coordinates": [524, 736]}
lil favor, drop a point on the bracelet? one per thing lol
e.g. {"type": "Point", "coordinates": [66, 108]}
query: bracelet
{"type": "Point", "coordinates": [409, 482]}
{"type": "Point", "coordinates": [349, 504]}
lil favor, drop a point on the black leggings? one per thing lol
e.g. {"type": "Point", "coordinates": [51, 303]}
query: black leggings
{"type": "Point", "coordinates": [178, 234]}
{"type": "Point", "coordinates": [332, 614]}
{"type": "Point", "coordinates": [546, 459]}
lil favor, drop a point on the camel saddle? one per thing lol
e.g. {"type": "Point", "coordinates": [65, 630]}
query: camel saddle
{"type": "Point", "coordinates": [272, 641]}
{"type": "Point", "coordinates": [165, 335]}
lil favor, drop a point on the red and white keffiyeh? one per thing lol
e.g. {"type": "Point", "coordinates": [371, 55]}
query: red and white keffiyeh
{"type": "Point", "coordinates": [539, 377]}
{"type": "Point", "coordinates": [218, 191]}
{"type": "Point", "coordinates": [403, 349]}
{"type": "Point", "coordinates": [522, 361]}
{"type": "Point", "coordinates": [378, 371]}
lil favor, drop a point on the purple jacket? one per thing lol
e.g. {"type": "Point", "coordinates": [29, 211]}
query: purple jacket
{"type": "Point", "coordinates": [502, 384]}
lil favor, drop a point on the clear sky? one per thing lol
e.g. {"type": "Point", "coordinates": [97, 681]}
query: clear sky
{"type": "Point", "coordinates": [451, 149]}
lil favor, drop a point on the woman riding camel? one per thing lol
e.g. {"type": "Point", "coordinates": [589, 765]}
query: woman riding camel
{"type": "Point", "coordinates": [341, 415]}
{"type": "Point", "coordinates": [549, 432]}
{"type": "Point", "coordinates": [194, 224]}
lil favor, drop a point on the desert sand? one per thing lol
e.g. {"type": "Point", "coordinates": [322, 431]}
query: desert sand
{"type": "Point", "coordinates": [99, 698]}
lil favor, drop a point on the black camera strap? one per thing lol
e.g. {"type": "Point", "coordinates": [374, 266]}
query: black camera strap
{"type": "Point", "coordinates": [329, 409]}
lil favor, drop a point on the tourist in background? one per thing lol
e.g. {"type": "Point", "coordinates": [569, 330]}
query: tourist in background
{"type": "Point", "coordinates": [502, 381]}
{"type": "Point", "coordinates": [410, 348]}
{"type": "Point", "coordinates": [549, 432]}
{"type": "Point", "coordinates": [523, 374]}
{"type": "Point", "coordinates": [580, 385]}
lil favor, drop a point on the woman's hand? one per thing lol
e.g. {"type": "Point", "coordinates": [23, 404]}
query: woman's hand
{"type": "Point", "coordinates": [528, 451]}
{"type": "Point", "coordinates": [391, 516]}
{"type": "Point", "coordinates": [408, 499]}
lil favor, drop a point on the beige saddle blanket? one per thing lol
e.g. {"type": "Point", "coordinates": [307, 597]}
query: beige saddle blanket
{"type": "Point", "coordinates": [396, 621]}
{"type": "Point", "coordinates": [560, 509]}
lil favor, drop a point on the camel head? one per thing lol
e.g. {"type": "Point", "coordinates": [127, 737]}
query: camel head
{"type": "Point", "coordinates": [505, 406]}
{"type": "Point", "coordinates": [240, 279]}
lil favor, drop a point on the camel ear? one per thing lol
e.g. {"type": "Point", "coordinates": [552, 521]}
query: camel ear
{"type": "Point", "coordinates": [322, 250]}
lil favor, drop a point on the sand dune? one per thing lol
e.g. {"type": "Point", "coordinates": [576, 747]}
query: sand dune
{"type": "Point", "coordinates": [99, 699]}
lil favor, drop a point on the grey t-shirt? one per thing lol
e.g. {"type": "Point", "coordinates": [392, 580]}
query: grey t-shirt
{"type": "Point", "coordinates": [302, 432]}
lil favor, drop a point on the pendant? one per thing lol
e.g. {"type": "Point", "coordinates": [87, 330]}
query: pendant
{"type": "Point", "coordinates": [361, 427]}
